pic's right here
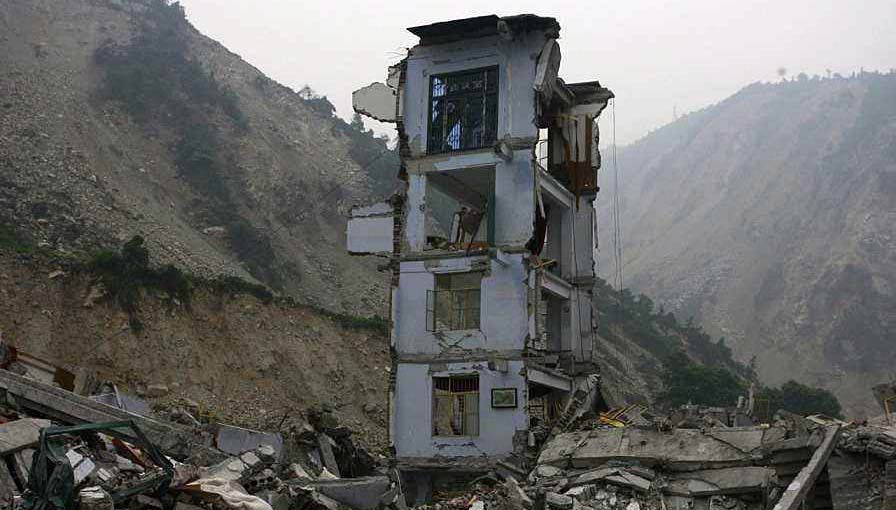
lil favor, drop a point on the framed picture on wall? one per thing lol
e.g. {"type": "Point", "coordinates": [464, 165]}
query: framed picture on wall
{"type": "Point", "coordinates": [504, 397]}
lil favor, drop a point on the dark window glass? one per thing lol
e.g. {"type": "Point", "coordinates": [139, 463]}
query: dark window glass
{"type": "Point", "coordinates": [463, 110]}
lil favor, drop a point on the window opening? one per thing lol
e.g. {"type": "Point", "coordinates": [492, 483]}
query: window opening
{"type": "Point", "coordinates": [455, 407]}
{"type": "Point", "coordinates": [463, 110]}
{"type": "Point", "coordinates": [455, 302]}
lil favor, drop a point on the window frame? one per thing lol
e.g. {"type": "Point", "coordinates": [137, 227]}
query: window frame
{"type": "Point", "coordinates": [442, 145]}
{"type": "Point", "coordinates": [459, 316]}
{"type": "Point", "coordinates": [465, 414]}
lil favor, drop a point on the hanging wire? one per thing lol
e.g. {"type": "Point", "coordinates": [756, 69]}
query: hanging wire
{"type": "Point", "coordinates": [619, 275]}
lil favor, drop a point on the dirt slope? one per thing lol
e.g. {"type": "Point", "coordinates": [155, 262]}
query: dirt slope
{"type": "Point", "coordinates": [245, 362]}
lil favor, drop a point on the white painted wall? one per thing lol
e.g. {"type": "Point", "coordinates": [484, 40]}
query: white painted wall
{"type": "Point", "coordinates": [514, 200]}
{"type": "Point", "coordinates": [516, 62]}
{"type": "Point", "coordinates": [504, 323]}
{"type": "Point", "coordinates": [503, 316]}
{"type": "Point", "coordinates": [413, 412]}
{"type": "Point", "coordinates": [415, 220]}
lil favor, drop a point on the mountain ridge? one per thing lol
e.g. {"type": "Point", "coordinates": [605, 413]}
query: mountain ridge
{"type": "Point", "coordinates": [768, 217]}
{"type": "Point", "coordinates": [214, 127]}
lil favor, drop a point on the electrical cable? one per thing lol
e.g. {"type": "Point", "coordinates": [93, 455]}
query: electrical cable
{"type": "Point", "coordinates": [619, 276]}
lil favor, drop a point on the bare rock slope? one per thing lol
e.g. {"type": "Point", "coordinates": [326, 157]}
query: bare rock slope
{"type": "Point", "coordinates": [771, 218]}
{"type": "Point", "coordinates": [119, 118]}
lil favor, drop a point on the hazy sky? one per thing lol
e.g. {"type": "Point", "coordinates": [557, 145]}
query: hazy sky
{"type": "Point", "coordinates": [655, 55]}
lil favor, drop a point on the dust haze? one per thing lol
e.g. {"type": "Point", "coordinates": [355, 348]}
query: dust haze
{"type": "Point", "coordinates": [660, 58]}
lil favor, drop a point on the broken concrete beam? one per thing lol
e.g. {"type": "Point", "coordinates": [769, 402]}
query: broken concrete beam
{"type": "Point", "coordinates": [325, 444]}
{"type": "Point", "coordinates": [20, 434]}
{"type": "Point", "coordinates": [516, 495]}
{"type": "Point", "coordinates": [679, 449]}
{"type": "Point", "coordinates": [66, 407]}
{"type": "Point", "coordinates": [714, 482]}
{"type": "Point", "coordinates": [582, 493]}
{"type": "Point", "coordinates": [594, 475]}
{"type": "Point", "coordinates": [632, 481]}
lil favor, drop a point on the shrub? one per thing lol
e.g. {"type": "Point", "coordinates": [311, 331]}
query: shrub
{"type": "Point", "coordinates": [687, 382]}
{"type": "Point", "coordinates": [235, 285]}
{"type": "Point", "coordinates": [801, 399]}
{"type": "Point", "coordinates": [126, 274]}
{"type": "Point", "coordinates": [9, 240]}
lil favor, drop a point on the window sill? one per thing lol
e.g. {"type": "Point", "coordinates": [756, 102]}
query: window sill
{"type": "Point", "coordinates": [465, 332]}
{"type": "Point", "coordinates": [459, 151]}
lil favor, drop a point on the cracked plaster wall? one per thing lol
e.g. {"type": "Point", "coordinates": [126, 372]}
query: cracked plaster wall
{"type": "Point", "coordinates": [496, 426]}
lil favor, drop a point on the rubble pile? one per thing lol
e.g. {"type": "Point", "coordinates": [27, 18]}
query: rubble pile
{"type": "Point", "coordinates": [633, 460]}
{"type": "Point", "coordinates": [65, 451]}
{"type": "Point", "coordinates": [863, 466]}
{"type": "Point", "coordinates": [874, 440]}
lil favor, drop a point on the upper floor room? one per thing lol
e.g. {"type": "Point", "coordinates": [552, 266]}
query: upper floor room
{"type": "Point", "coordinates": [488, 89]}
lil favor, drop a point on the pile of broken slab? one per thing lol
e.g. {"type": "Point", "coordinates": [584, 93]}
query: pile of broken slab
{"type": "Point", "coordinates": [633, 468]}
{"type": "Point", "coordinates": [652, 468]}
{"type": "Point", "coordinates": [65, 451]}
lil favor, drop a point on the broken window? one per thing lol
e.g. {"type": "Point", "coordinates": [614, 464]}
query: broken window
{"type": "Point", "coordinates": [455, 405]}
{"type": "Point", "coordinates": [463, 110]}
{"type": "Point", "coordinates": [454, 304]}
{"type": "Point", "coordinates": [459, 212]}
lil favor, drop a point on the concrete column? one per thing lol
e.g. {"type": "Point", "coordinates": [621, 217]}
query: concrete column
{"type": "Point", "coordinates": [583, 240]}
{"type": "Point", "coordinates": [415, 228]}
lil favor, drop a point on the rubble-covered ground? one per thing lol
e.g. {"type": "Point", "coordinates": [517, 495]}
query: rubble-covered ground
{"type": "Point", "coordinates": [106, 449]}
{"type": "Point", "coordinates": [698, 463]}
{"type": "Point", "coordinates": [92, 456]}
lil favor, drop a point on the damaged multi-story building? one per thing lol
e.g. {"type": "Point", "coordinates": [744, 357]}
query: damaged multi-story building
{"type": "Point", "coordinates": [491, 242]}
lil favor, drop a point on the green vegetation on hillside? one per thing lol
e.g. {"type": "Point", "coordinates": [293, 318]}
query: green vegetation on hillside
{"type": "Point", "coordinates": [155, 80]}
{"type": "Point", "coordinates": [695, 369]}
{"type": "Point", "coordinates": [127, 273]}
{"type": "Point", "coordinates": [687, 382]}
{"type": "Point", "coordinates": [801, 399]}
{"type": "Point", "coordinates": [11, 241]}
{"type": "Point", "coordinates": [657, 331]}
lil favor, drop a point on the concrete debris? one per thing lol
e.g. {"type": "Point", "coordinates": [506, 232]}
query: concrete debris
{"type": "Point", "coordinates": [683, 448]}
{"type": "Point", "coordinates": [726, 467]}
{"type": "Point", "coordinates": [358, 493]}
{"type": "Point", "coordinates": [236, 440]}
{"type": "Point", "coordinates": [561, 501]}
{"type": "Point", "coordinates": [94, 498]}
{"type": "Point", "coordinates": [877, 441]}
{"type": "Point", "coordinates": [20, 434]}
{"type": "Point", "coordinates": [161, 460]}
{"type": "Point", "coordinates": [378, 101]}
